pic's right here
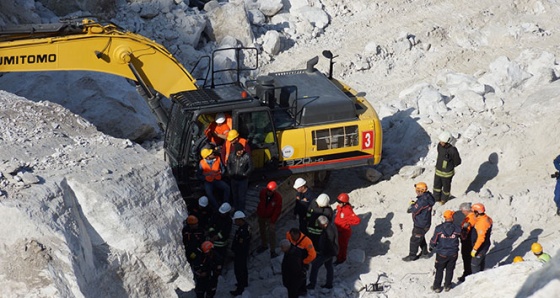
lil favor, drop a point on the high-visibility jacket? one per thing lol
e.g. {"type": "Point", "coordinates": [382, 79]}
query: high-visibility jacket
{"type": "Point", "coordinates": [466, 226]}
{"type": "Point", "coordinates": [211, 171]}
{"type": "Point", "coordinates": [480, 236]}
{"type": "Point", "coordinates": [222, 129]}
{"type": "Point", "coordinates": [305, 244]}
{"type": "Point", "coordinates": [544, 258]}
{"type": "Point", "coordinates": [448, 158]}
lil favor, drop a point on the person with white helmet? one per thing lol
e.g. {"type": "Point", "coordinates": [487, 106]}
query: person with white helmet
{"type": "Point", "coordinates": [217, 131]}
{"type": "Point", "coordinates": [202, 210]}
{"type": "Point", "coordinates": [447, 159]}
{"type": "Point", "coordinates": [240, 247]}
{"type": "Point", "coordinates": [304, 197]}
{"type": "Point", "coordinates": [220, 228]}
{"type": "Point", "coordinates": [317, 208]}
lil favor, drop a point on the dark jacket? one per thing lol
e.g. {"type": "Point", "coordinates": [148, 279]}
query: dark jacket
{"type": "Point", "coordinates": [192, 239]}
{"type": "Point", "coordinates": [446, 239]}
{"type": "Point", "coordinates": [202, 213]}
{"type": "Point", "coordinates": [313, 212]}
{"type": "Point", "coordinates": [557, 166]}
{"type": "Point", "coordinates": [422, 210]}
{"type": "Point", "coordinates": [328, 241]}
{"type": "Point", "coordinates": [292, 268]}
{"type": "Point", "coordinates": [219, 229]}
{"type": "Point", "coordinates": [208, 266]}
{"type": "Point", "coordinates": [242, 240]}
{"type": "Point", "coordinates": [269, 207]}
{"type": "Point", "coordinates": [303, 199]}
{"type": "Point", "coordinates": [448, 158]}
{"type": "Point", "coordinates": [239, 167]}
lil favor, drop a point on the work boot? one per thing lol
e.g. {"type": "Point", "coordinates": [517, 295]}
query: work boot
{"type": "Point", "coordinates": [237, 292]}
{"type": "Point", "coordinates": [447, 288]}
{"type": "Point", "coordinates": [410, 258]}
{"type": "Point", "coordinates": [437, 290]}
{"type": "Point", "coordinates": [425, 254]}
{"type": "Point", "coordinates": [327, 286]}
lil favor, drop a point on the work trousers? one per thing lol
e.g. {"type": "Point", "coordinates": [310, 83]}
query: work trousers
{"type": "Point", "coordinates": [239, 193]}
{"type": "Point", "coordinates": [268, 233]}
{"type": "Point", "coordinates": [442, 188]}
{"type": "Point", "coordinates": [446, 263]}
{"type": "Point", "coordinates": [479, 261]}
{"type": "Point", "coordinates": [466, 248]}
{"type": "Point", "coordinates": [205, 287]}
{"type": "Point", "coordinates": [319, 261]}
{"type": "Point", "coordinates": [343, 239]}
{"type": "Point", "coordinates": [210, 187]}
{"type": "Point", "coordinates": [418, 240]}
{"type": "Point", "coordinates": [241, 271]}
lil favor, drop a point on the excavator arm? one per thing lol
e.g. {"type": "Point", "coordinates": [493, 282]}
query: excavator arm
{"type": "Point", "coordinates": [91, 46]}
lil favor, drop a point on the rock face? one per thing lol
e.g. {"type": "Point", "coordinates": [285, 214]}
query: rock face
{"type": "Point", "coordinates": [90, 224]}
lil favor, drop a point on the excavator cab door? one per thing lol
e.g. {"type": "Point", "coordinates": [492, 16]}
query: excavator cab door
{"type": "Point", "coordinates": [255, 124]}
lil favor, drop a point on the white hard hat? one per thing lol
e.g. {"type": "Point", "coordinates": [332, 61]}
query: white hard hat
{"type": "Point", "coordinates": [299, 183]}
{"type": "Point", "coordinates": [225, 208]}
{"type": "Point", "coordinates": [203, 201]}
{"type": "Point", "coordinates": [323, 200]}
{"type": "Point", "coordinates": [445, 137]}
{"type": "Point", "coordinates": [238, 214]}
{"type": "Point", "coordinates": [220, 118]}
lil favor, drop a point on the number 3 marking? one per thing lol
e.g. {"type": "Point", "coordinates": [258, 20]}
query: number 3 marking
{"type": "Point", "coordinates": [367, 139]}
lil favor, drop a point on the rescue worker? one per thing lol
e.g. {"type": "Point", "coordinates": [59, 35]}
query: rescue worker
{"type": "Point", "coordinates": [447, 159]}
{"type": "Point", "coordinates": [537, 250]}
{"type": "Point", "coordinates": [293, 277]}
{"type": "Point", "coordinates": [344, 219]}
{"type": "Point", "coordinates": [518, 259]}
{"type": "Point", "coordinates": [217, 131]}
{"type": "Point", "coordinates": [302, 242]}
{"type": "Point", "coordinates": [239, 167]}
{"type": "Point", "coordinates": [318, 207]}
{"type": "Point", "coordinates": [240, 247]}
{"type": "Point", "coordinates": [326, 250]}
{"type": "Point", "coordinates": [466, 245]}
{"type": "Point", "coordinates": [445, 242]}
{"type": "Point", "coordinates": [232, 138]}
{"type": "Point", "coordinates": [207, 270]}
{"type": "Point", "coordinates": [421, 209]}
{"type": "Point", "coordinates": [304, 197]}
{"type": "Point", "coordinates": [557, 188]}
{"type": "Point", "coordinates": [211, 170]}
{"type": "Point", "coordinates": [220, 229]}
{"type": "Point", "coordinates": [202, 211]}
{"type": "Point", "coordinates": [193, 236]}
{"type": "Point", "coordinates": [480, 237]}
{"type": "Point", "coordinates": [268, 212]}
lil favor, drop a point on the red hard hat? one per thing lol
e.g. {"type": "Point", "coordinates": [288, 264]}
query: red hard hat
{"type": "Point", "coordinates": [192, 220]}
{"type": "Point", "coordinates": [343, 198]}
{"type": "Point", "coordinates": [271, 186]}
{"type": "Point", "coordinates": [206, 246]}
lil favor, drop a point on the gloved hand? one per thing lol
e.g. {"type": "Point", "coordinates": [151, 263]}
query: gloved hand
{"type": "Point", "coordinates": [473, 253]}
{"type": "Point", "coordinates": [466, 225]}
{"type": "Point", "coordinates": [412, 202]}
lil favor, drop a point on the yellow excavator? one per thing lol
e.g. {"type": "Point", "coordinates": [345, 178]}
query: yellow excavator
{"type": "Point", "coordinates": [296, 121]}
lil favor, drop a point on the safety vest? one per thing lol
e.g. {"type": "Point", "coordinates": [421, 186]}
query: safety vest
{"type": "Point", "coordinates": [211, 172]}
{"type": "Point", "coordinates": [544, 258]}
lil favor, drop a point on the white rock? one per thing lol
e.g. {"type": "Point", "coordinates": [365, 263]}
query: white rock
{"type": "Point", "coordinates": [411, 172]}
{"type": "Point", "coordinates": [472, 99]}
{"type": "Point", "coordinates": [229, 20]}
{"type": "Point", "coordinates": [504, 75]}
{"type": "Point", "coordinates": [271, 42]}
{"type": "Point", "coordinates": [256, 17]}
{"type": "Point", "coordinates": [315, 16]}
{"type": "Point", "coordinates": [270, 7]}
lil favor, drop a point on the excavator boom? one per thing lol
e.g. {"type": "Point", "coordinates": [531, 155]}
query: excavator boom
{"type": "Point", "coordinates": [91, 46]}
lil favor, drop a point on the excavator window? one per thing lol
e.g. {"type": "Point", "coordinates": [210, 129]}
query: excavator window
{"type": "Point", "coordinates": [256, 126]}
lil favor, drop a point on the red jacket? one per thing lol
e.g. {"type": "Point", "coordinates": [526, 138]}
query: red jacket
{"type": "Point", "coordinates": [345, 217]}
{"type": "Point", "coordinates": [269, 207]}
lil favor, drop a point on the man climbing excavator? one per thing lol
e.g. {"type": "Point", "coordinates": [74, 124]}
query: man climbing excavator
{"type": "Point", "coordinates": [296, 122]}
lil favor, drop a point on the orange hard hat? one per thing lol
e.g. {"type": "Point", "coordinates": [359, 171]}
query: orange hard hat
{"type": "Point", "coordinates": [518, 259]}
{"type": "Point", "coordinates": [206, 246]}
{"type": "Point", "coordinates": [448, 214]}
{"type": "Point", "coordinates": [271, 186]}
{"type": "Point", "coordinates": [536, 248]}
{"type": "Point", "coordinates": [343, 198]}
{"type": "Point", "coordinates": [478, 207]}
{"type": "Point", "coordinates": [192, 220]}
{"type": "Point", "coordinates": [421, 186]}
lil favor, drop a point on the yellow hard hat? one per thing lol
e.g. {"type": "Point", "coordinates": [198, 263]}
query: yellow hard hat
{"type": "Point", "coordinates": [536, 248]}
{"type": "Point", "coordinates": [421, 186]}
{"type": "Point", "coordinates": [205, 152]}
{"type": "Point", "coordinates": [518, 259]}
{"type": "Point", "coordinates": [232, 134]}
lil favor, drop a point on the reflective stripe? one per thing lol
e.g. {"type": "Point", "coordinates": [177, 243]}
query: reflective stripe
{"type": "Point", "coordinates": [445, 174]}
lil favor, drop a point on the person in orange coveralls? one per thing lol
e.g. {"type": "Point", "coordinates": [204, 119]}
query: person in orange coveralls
{"type": "Point", "coordinates": [480, 236]}
{"type": "Point", "coordinates": [344, 219]}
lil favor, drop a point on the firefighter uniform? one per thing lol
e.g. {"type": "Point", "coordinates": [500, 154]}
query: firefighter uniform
{"type": "Point", "coordinates": [445, 241]}
{"type": "Point", "coordinates": [314, 229]}
{"type": "Point", "coordinates": [219, 231]}
{"type": "Point", "coordinates": [240, 246]}
{"type": "Point", "coordinates": [447, 159]}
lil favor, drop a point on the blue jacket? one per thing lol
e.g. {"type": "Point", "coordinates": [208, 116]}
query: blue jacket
{"type": "Point", "coordinates": [422, 210]}
{"type": "Point", "coordinates": [446, 239]}
{"type": "Point", "coordinates": [557, 189]}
